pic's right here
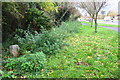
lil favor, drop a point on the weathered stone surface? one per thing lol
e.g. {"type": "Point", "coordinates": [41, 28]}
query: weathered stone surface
{"type": "Point", "coordinates": [14, 49]}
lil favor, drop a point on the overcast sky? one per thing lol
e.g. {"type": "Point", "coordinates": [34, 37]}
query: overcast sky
{"type": "Point", "coordinates": [112, 6]}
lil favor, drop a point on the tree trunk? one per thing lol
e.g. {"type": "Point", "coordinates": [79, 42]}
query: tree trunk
{"type": "Point", "coordinates": [95, 25]}
{"type": "Point", "coordinates": [63, 14]}
{"type": "Point", "coordinates": [92, 22]}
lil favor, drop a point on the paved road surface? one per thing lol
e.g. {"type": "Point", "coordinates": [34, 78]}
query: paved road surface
{"type": "Point", "coordinates": [84, 24]}
{"type": "Point", "coordinates": [113, 28]}
{"type": "Point", "coordinates": [109, 22]}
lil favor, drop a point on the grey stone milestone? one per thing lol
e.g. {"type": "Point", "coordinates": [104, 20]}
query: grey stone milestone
{"type": "Point", "coordinates": [14, 49]}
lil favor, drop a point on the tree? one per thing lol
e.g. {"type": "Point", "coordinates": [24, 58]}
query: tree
{"type": "Point", "coordinates": [66, 11]}
{"type": "Point", "coordinates": [112, 13]}
{"type": "Point", "coordinates": [16, 16]}
{"type": "Point", "coordinates": [90, 11]}
{"type": "Point", "coordinates": [93, 9]}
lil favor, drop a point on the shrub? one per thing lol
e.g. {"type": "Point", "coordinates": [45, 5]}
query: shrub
{"type": "Point", "coordinates": [70, 27]}
{"type": "Point", "coordinates": [27, 63]}
{"type": "Point", "coordinates": [6, 74]}
{"type": "Point", "coordinates": [37, 20]}
{"type": "Point", "coordinates": [49, 42]}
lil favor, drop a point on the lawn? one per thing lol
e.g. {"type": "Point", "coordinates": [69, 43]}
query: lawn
{"type": "Point", "coordinates": [109, 25]}
{"type": "Point", "coordinates": [88, 55]}
{"type": "Point", "coordinates": [101, 24]}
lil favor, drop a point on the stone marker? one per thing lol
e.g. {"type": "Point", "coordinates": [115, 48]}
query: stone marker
{"type": "Point", "coordinates": [14, 49]}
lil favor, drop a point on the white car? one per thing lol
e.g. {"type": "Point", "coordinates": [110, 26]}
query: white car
{"type": "Point", "coordinates": [107, 18]}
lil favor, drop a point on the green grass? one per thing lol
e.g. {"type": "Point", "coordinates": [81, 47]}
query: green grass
{"type": "Point", "coordinates": [89, 55]}
{"type": "Point", "coordinates": [101, 24]}
{"type": "Point", "coordinates": [109, 25]}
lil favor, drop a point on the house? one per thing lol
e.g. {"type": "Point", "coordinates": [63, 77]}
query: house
{"type": "Point", "coordinates": [118, 16]}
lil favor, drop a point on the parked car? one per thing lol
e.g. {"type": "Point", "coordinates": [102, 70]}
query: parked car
{"type": "Point", "coordinates": [107, 18]}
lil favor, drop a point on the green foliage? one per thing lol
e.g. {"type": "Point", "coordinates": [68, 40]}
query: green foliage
{"type": "Point", "coordinates": [7, 74]}
{"type": "Point", "coordinates": [21, 15]}
{"type": "Point", "coordinates": [70, 27]}
{"type": "Point", "coordinates": [48, 6]}
{"type": "Point", "coordinates": [48, 41]}
{"type": "Point", "coordinates": [89, 55]}
{"type": "Point", "coordinates": [12, 8]}
{"type": "Point", "coordinates": [37, 19]}
{"type": "Point", "coordinates": [30, 63]}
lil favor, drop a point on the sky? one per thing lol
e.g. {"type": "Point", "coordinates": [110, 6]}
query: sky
{"type": "Point", "coordinates": [112, 5]}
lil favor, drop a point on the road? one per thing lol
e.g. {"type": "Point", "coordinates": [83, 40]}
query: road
{"type": "Point", "coordinates": [114, 22]}
{"type": "Point", "coordinates": [113, 28]}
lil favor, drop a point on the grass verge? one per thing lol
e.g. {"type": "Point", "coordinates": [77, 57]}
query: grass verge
{"type": "Point", "coordinates": [89, 55]}
{"type": "Point", "coordinates": [101, 24]}
{"type": "Point", "coordinates": [109, 25]}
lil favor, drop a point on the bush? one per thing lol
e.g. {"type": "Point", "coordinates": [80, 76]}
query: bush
{"type": "Point", "coordinates": [7, 74]}
{"type": "Point", "coordinates": [49, 42]}
{"type": "Point", "coordinates": [27, 63]}
{"type": "Point", "coordinates": [37, 20]}
{"type": "Point", "coordinates": [70, 28]}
